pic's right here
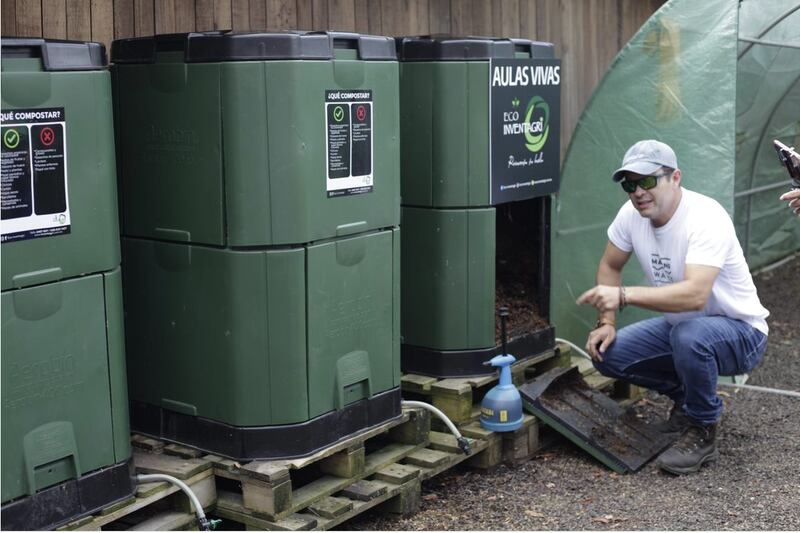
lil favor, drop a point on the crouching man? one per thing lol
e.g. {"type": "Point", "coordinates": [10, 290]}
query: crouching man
{"type": "Point", "coordinates": [713, 323]}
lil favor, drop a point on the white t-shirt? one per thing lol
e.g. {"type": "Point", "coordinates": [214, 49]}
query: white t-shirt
{"type": "Point", "coordinates": [700, 232]}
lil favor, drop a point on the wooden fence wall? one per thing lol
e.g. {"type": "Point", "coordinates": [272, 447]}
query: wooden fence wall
{"type": "Point", "coordinates": [587, 33]}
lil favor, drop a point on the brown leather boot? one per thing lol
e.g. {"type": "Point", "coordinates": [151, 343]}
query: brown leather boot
{"type": "Point", "coordinates": [697, 446]}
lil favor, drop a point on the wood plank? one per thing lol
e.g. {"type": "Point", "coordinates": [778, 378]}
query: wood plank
{"type": "Point", "coordinates": [282, 15]}
{"type": "Point", "coordinates": [331, 507]}
{"type": "Point", "coordinates": [222, 15]}
{"type": "Point", "coordinates": [304, 13]}
{"type": "Point", "coordinates": [397, 473]}
{"type": "Point", "coordinates": [527, 19]}
{"type": "Point", "coordinates": [8, 17]}
{"type": "Point", "coordinates": [461, 17]}
{"type": "Point", "coordinates": [148, 463]}
{"type": "Point", "coordinates": [164, 16]}
{"type": "Point", "coordinates": [258, 14]}
{"type": "Point", "coordinates": [341, 15]}
{"type": "Point", "coordinates": [505, 18]}
{"type": "Point", "coordinates": [453, 386]}
{"type": "Point", "coordinates": [387, 455]}
{"type": "Point", "coordinates": [266, 471]}
{"type": "Point", "coordinates": [446, 442]}
{"type": "Point", "coordinates": [79, 20]}
{"type": "Point", "coordinates": [54, 19]}
{"type": "Point", "coordinates": [482, 18]}
{"type": "Point", "coordinates": [178, 450]}
{"type": "Point", "coordinates": [439, 18]}
{"type": "Point", "coordinates": [363, 490]}
{"type": "Point", "coordinates": [167, 521]}
{"type": "Point", "coordinates": [102, 16]}
{"type": "Point", "coordinates": [319, 14]}
{"type": "Point", "coordinates": [204, 15]}
{"type": "Point", "coordinates": [230, 506]}
{"type": "Point", "coordinates": [29, 18]}
{"type": "Point", "coordinates": [347, 463]}
{"type": "Point", "coordinates": [146, 443]}
{"type": "Point", "coordinates": [417, 383]}
{"type": "Point", "coordinates": [144, 17]}
{"type": "Point", "coordinates": [240, 15]}
{"type": "Point", "coordinates": [184, 16]}
{"type": "Point", "coordinates": [124, 18]}
{"type": "Point", "coordinates": [427, 458]}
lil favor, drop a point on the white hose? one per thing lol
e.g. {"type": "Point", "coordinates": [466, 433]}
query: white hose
{"type": "Point", "coordinates": [198, 509]}
{"type": "Point", "coordinates": [462, 442]}
{"type": "Point", "coordinates": [719, 384]}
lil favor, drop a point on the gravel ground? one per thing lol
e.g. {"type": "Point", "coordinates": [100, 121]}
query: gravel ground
{"type": "Point", "coordinates": [755, 485]}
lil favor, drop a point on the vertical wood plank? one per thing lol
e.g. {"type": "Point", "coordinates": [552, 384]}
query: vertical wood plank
{"type": "Point", "coordinates": [482, 18]}
{"type": "Point", "coordinates": [79, 20]}
{"type": "Point", "coordinates": [144, 23]}
{"type": "Point", "coordinates": [184, 16]}
{"type": "Point", "coordinates": [439, 17]}
{"type": "Point", "coordinates": [204, 15]}
{"type": "Point", "coordinates": [304, 10]}
{"type": "Point", "coordinates": [54, 19]}
{"type": "Point", "coordinates": [419, 17]}
{"type": "Point", "coordinates": [29, 18]}
{"type": "Point", "coordinates": [123, 19]}
{"type": "Point", "coordinates": [258, 14]}
{"type": "Point", "coordinates": [164, 16]}
{"type": "Point", "coordinates": [506, 21]}
{"type": "Point", "coordinates": [634, 14]}
{"type": "Point", "coordinates": [222, 15]}
{"type": "Point", "coordinates": [102, 17]}
{"type": "Point", "coordinates": [461, 17]}
{"type": "Point", "coordinates": [527, 19]}
{"type": "Point", "coordinates": [240, 15]}
{"type": "Point", "coordinates": [319, 14]}
{"type": "Point", "coordinates": [282, 15]}
{"type": "Point", "coordinates": [361, 8]}
{"type": "Point", "coordinates": [8, 16]}
{"type": "Point", "coordinates": [342, 15]}
{"type": "Point", "coordinates": [392, 17]}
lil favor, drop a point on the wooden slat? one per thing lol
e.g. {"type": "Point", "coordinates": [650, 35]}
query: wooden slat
{"type": "Point", "coordinates": [282, 15]}
{"type": "Point", "coordinates": [54, 19]}
{"type": "Point", "coordinates": [204, 15]}
{"type": "Point", "coordinates": [123, 19]}
{"type": "Point", "coordinates": [482, 18]}
{"type": "Point", "coordinates": [319, 14]}
{"type": "Point", "coordinates": [304, 11]}
{"type": "Point", "coordinates": [527, 19]}
{"type": "Point", "coordinates": [439, 16]}
{"type": "Point", "coordinates": [102, 17]}
{"type": "Point", "coordinates": [240, 15]}
{"type": "Point", "coordinates": [8, 16]}
{"type": "Point", "coordinates": [164, 16]}
{"type": "Point", "coordinates": [79, 20]}
{"type": "Point", "coordinates": [342, 15]}
{"type": "Point", "coordinates": [29, 18]}
{"type": "Point", "coordinates": [258, 14]}
{"type": "Point", "coordinates": [143, 13]}
{"type": "Point", "coordinates": [461, 17]}
{"type": "Point", "coordinates": [222, 14]}
{"type": "Point", "coordinates": [184, 16]}
{"type": "Point", "coordinates": [634, 14]}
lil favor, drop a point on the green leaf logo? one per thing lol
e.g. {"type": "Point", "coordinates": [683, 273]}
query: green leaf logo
{"type": "Point", "coordinates": [515, 102]}
{"type": "Point", "coordinates": [536, 141]}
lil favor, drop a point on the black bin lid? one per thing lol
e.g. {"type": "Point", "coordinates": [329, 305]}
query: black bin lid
{"type": "Point", "coordinates": [56, 54]}
{"type": "Point", "coordinates": [455, 48]}
{"type": "Point", "coordinates": [214, 46]}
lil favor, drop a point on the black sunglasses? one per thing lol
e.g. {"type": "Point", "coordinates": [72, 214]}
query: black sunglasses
{"type": "Point", "coordinates": [646, 183]}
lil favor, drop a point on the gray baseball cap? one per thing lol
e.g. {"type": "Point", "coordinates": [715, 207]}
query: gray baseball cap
{"type": "Point", "coordinates": [646, 157]}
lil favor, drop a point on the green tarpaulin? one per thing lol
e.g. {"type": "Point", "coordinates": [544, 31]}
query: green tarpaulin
{"type": "Point", "coordinates": [716, 80]}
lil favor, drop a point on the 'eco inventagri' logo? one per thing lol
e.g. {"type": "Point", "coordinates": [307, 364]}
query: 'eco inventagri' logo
{"type": "Point", "coordinates": [536, 131]}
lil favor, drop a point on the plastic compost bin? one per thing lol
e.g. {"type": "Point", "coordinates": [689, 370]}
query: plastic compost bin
{"type": "Point", "coordinates": [65, 435]}
{"type": "Point", "coordinates": [260, 210]}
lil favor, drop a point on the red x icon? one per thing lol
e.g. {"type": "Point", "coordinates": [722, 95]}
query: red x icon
{"type": "Point", "coordinates": [47, 136]}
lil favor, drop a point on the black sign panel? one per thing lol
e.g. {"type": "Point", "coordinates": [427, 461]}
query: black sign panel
{"type": "Point", "coordinates": [524, 110]}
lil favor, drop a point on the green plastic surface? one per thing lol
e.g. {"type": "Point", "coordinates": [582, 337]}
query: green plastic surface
{"type": "Point", "coordinates": [93, 242]}
{"type": "Point", "coordinates": [444, 124]}
{"type": "Point", "coordinates": [61, 371]}
{"type": "Point", "coordinates": [448, 272]}
{"type": "Point", "coordinates": [254, 338]}
{"type": "Point", "coordinates": [234, 153]}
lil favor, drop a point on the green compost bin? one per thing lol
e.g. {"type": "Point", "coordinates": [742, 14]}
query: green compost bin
{"type": "Point", "coordinates": [261, 202]}
{"type": "Point", "coordinates": [475, 191]}
{"type": "Point", "coordinates": [65, 436]}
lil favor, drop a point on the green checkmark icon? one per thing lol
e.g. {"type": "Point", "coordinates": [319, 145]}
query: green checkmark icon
{"type": "Point", "coordinates": [338, 113]}
{"type": "Point", "coordinates": [11, 138]}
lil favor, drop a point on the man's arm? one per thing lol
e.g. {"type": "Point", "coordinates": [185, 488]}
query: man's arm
{"type": "Point", "coordinates": [691, 294]}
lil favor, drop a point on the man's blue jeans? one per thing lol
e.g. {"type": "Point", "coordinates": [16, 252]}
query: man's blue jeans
{"type": "Point", "coordinates": [684, 361]}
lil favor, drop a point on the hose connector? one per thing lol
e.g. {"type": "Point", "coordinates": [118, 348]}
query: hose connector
{"type": "Point", "coordinates": [208, 525]}
{"type": "Point", "coordinates": [463, 443]}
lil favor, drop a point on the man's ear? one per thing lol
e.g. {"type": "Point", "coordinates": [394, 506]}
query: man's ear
{"type": "Point", "coordinates": [676, 176]}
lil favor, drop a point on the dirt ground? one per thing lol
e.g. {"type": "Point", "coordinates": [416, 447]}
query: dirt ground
{"type": "Point", "coordinates": [755, 485]}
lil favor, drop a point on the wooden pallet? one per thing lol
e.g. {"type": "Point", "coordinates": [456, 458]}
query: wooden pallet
{"type": "Point", "coordinates": [157, 506]}
{"type": "Point", "coordinates": [393, 487]}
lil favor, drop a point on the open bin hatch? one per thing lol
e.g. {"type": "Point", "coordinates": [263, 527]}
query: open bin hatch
{"type": "Point", "coordinates": [615, 436]}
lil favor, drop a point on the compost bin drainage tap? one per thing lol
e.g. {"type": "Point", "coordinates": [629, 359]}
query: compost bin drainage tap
{"type": "Point", "coordinates": [463, 442]}
{"type": "Point", "coordinates": [501, 408]}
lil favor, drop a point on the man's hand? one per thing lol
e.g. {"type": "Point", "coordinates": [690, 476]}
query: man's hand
{"type": "Point", "coordinates": [793, 198]}
{"type": "Point", "coordinates": [603, 297]}
{"type": "Point", "coordinates": [600, 339]}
